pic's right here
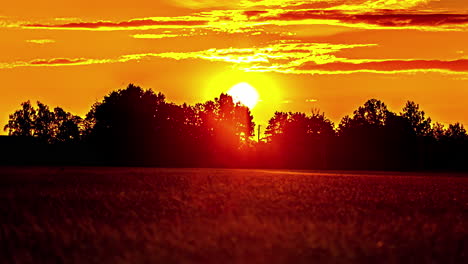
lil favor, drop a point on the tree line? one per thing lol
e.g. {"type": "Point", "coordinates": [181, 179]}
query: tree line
{"type": "Point", "coordinates": [134, 126]}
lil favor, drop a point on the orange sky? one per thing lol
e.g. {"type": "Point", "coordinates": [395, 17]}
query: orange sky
{"type": "Point", "coordinates": [326, 54]}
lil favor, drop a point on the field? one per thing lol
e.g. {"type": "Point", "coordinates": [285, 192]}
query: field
{"type": "Point", "coordinates": [149, 215]}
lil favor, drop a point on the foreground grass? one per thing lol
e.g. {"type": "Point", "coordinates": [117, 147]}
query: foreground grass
{"type": "Point", "coordinates": [143, 215]}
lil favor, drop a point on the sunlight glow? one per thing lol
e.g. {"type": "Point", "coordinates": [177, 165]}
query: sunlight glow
{"type": "Point", "coordinates": [245, 94]}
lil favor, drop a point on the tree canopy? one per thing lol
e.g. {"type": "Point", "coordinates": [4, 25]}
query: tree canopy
{"type": "Point", "coordinates": [49, 126]}
{"type": "Point", "coordinates": [134, 126]}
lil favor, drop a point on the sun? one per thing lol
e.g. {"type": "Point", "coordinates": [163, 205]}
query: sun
{"type": "Point", "coordinates": [245, 94]}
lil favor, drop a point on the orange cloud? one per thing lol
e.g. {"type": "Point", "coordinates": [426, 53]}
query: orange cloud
{"type": "Point", "coordinates": [53, 62]}
{"type": "Point", "coordinates": [284, 57]}
{"type": "Point", "coordinates": [276, 54]}
{"type": "Point", "coordinates": [338, 4]}
{"type": "Point", "coordinates": [378, 19]}
{"type": "Point", "coordinates": [57, 61]}
{"type": "Point", "coordinates": [361, 4]}
{"type": "Point", "coordinates": [135, 24]}
{"type": "Point", "coordinates": [157, 36]}
{"type": "Point", "coordinates": [315, 58]}
{"type": "Point", "coordinates": [371, 14]}
{"type": "Point", "coordinates": [201, 4]}
{"type": "Point", "coordinates": [387, 66]}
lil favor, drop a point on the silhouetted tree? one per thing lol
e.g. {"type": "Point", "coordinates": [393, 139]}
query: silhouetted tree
{"type": "Point", "coordinates": [223, 127]}
{"type": "Point", "coordinates": [43, 124]}
{"type": "Point", "coordinates": [373, 113]}
{"type": "Point", "coordinates": [453, 148]}
{"type": "Point", "coordinates": [375, 138]}
{"type": "Point", "coordinates": [139, 127]}
{"type": "Point", "coordinates": [126, 124]}
{"type": "Point", "coordinates": [21, 122]}
{"type": "Point", "coordinates": [422, 128]}
{"type": "Point", "coordinates": [282, 124]}
{"type": "Point", "coordinates": [299, 140]}
{"type": "Point", "coordinates": [66, 126]}
{"type": "Point", "coordinates": [456, 132]}
{"type": "Point", "coordinates": [438, 131]}
{"type": "Point", "coordinates": [417, 119]}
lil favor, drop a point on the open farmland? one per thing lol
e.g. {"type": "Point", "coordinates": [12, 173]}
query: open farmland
{"type": "Point", "coordinates": [149, 215]}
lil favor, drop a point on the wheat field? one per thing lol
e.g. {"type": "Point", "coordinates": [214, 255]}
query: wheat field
{"type": "Point", "coordinates": [154, 215]}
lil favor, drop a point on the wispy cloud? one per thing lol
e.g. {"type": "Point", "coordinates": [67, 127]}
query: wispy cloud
{"type": "Point", "coordinates": [284, 57]}
{"type": "Point", "coordinates": [202, 4]}
{"type": "Point", "coordinates": [55, 62]}
{"type": "Point", "coordinates": [134, 24]}
{"type": "Point", "coordinates": [376, 20]}
{"type": "Point", "coordinates": [173, 33]}
{"type": "Point", "coordinates": [40, 41]}
{"type": "Point", "coordinates": [370, 14]}
{"type": "Point", "coordinates": [315, 58]}
{"type": "Point", "coordinates": [275, 54]}
{"type": "Point", "coordinates": [394, 4]}
{"type": "Point", "coordinates": [58, 61]}
{"type": "Point", "coordinates": [386, 66]}
{"type": "Point", "coordinates": [341, 4]}
{"type": "Point", "coordinates": [155, 36]}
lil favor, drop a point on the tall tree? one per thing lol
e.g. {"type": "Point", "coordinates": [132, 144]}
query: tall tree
{"type": "Point", "coordinates": [66, 126]}
{"type": "Point", "coordinates": [126, 123]}
{"type": "Point", "coordinates": [417, 119]}
{"type": "Point", "coordinates": [21, 122]}
{"type": "Point", "coordinates": [456, 132]}
{"type": "Point", "coordinates": [375, 138]}
{"type": "Point", "coordinates": [299, 140]}
{"type": "Point", "coordinates": [374, 112]}
{"type": "Point", "coordinates": [298, 124]}
{"type": "Point", "coordinates": [224, 127]}
{"type": "Point", "coordinates": [438, 131]}
{"type": "Point", "coordinates": [48, 126]}
{"type": "Point", "coordinates": [366, 119]}
{"type": "Point", "coordinates": [44, 123]}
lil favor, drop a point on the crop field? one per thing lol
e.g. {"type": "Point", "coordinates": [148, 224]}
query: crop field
{"type": "Point", "coordinates": [151, 215]}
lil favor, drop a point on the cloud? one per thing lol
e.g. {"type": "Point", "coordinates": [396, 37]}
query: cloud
{"type": "Point", "coordinates": [156, 36]}
{"type": "Point", "coordinates": [376, 20]}
{"type": "Point", "coordinates": [53, 62]}
{"type": "Point", "coordinates": [40, 41]}
{"type": "Point", "coordinates": [283, 57]}
{"type": "Point", "coordinates": [314, 58]}
{"type": "Point", "coordinates": [279, 53]}
{"type": "Point", "coordinates": [394, 4]}
{"type": "Point", "coordinates": [350, 4]}
{"type": "Point", "coordinates": [173, 33]}
{"type": "Point", "coordinates": [201, 4]}
{"type": "Point", "coordinates": [338, 4]}
{"type": "Point", "coordinates": [134, 24]}
{"type": "Point", "coordinates": [387, 66]}
{"type": "Point", "coordinates": [57, 61]}
{"type": "Point", "coordinates": [286, 3]}
{"type": "Point", "coordinates": [370, 14]}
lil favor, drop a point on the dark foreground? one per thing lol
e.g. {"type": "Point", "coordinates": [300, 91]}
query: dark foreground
{"type": "Point", "coordinates": [142, 215]}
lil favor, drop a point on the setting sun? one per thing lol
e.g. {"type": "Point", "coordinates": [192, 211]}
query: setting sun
{"type": "Point", "coordinates": [245, 94]}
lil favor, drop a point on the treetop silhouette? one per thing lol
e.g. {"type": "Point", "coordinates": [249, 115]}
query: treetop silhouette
{"type": "Point", "coordinates": [134, 126]}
